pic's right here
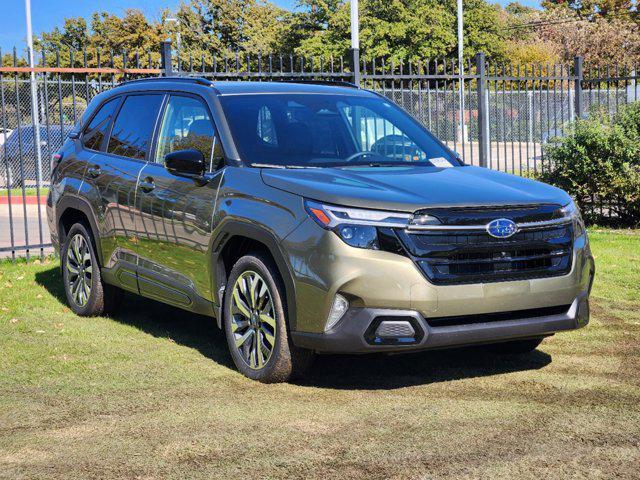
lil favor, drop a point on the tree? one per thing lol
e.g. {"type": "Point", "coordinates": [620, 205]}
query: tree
{"type": "Point", "coordinates": [590, 9]}
{"type": "Point", "coordinates": [74, 34]}
{"type": "Point", "coordinates": [601, 42]}
{"type": "Point", "coordinates": [132, 32]}
{"type": "Point", "coordinates": [408, 29]}
{"type": "Point", "coordinates": [215, 27]}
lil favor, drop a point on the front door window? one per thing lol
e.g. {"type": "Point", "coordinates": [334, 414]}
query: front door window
{"type": "Point", "coordinates": [186, 125]}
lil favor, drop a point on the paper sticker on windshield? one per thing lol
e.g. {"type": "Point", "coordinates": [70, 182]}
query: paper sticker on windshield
{"type": "Point", "coordinates": [441, 162]}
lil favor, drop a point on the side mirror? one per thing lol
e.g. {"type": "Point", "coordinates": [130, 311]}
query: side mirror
{"type": "Point", "coordinates": [185, 162]}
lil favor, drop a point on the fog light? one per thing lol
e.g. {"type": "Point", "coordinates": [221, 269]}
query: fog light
{"type": "Point", "coordinates": [338, 309]}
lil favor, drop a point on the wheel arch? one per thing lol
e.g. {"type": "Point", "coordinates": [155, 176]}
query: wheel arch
{"type": "Point", "coordinates": [237, 239]}
{"type": "Point", "coordinates": [73, 209]}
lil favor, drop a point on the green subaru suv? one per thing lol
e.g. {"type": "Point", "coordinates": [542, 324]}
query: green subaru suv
{"type": "Point", "coordinates": [308, 218]}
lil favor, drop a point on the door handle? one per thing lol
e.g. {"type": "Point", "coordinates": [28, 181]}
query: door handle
{"type": "Point", "coordinates": [147, 185]}
{"type": "Point", "coordinates": [94, 171]}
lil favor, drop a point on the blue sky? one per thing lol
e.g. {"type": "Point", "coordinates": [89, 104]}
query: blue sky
{"type": "Point", "coordinates": [46, 14]}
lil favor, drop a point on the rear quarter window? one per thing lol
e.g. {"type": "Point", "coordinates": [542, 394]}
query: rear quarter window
{"type": "Point", "coordinates": [95, 133]}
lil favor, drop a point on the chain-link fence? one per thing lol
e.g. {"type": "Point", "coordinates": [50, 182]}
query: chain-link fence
{"type": "Point", "coordinates": [492, 115]}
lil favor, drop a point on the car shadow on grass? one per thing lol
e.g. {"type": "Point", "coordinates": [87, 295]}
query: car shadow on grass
{"type": "Point", "coordinates": [348, 372]}
{"type": "Point", "coordinates": [158, 319]}
{"type": "Point", "coordinates": [379, 371]}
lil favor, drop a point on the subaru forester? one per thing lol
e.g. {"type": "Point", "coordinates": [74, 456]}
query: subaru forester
{"type": "Point", "coordinates": [308, 218]}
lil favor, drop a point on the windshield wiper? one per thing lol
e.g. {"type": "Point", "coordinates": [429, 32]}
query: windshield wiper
{"type": "Point", "coordinates": [272, 165]}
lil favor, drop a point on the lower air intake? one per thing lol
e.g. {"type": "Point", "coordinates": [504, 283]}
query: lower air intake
{"type": "Point", "coordinates": [394, 329]}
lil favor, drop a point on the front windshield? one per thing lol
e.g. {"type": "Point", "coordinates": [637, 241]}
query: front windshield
{"type": "Point", "coordinates": [319, 130]}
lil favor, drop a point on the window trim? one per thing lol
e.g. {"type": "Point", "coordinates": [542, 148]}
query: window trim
{"type": "Point", "coordinates": [158, 127]}
{"type": "Point", "coordinates": [159, 93]}
{"type": "Point", "coordinates": [103, 144]}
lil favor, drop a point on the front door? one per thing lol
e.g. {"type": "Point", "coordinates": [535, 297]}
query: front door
{"type": "Point", "coordinates": [176, 212]}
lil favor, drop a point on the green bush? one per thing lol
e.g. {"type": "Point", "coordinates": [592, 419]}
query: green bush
{"type": "Point", "coordinates": [598, 163]}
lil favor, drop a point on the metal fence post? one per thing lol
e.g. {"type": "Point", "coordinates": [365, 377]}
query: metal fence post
{"type": "Point", "coordinates": [354, 57]}
{"type": "Point", "coordinates": [483, 125]}
{"type": "Point", "coordinates": [579, 77]}
{"type": "Point", "coordinates": [165, 52]}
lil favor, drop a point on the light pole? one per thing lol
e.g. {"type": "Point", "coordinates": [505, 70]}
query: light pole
{"type": "Point", "coordinates": [355, 26]}
{"type": "Point", "coordinates": [178, 37]}
{"type": "Point", "coordinates": [463, 129]}
{"type": "Point", "coordinates": [355, 42]}
{"type": "Point", "coordinates": [34, 96]}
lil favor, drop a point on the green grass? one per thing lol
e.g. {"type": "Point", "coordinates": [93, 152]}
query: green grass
{"type": "Point", "coordinates": [151, 393]}
{"type": "Point", "coordinates": [31, 191]}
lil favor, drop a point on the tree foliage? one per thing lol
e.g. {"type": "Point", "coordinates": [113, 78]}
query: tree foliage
{"type": "Point", "coordinates": [407, 29]}
{"type": "Point", "coordinates": [603, 31]}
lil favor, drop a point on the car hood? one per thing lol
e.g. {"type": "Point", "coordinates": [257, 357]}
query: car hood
{"type": "Point", "coordinates": [411, 188]}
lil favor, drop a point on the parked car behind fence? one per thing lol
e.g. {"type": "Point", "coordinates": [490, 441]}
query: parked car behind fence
{"type": "Point", "coordinates": [18, 157]}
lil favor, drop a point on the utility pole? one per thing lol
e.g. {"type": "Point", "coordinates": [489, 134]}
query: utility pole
{"type": "Point", "coordinates": [35, 119]}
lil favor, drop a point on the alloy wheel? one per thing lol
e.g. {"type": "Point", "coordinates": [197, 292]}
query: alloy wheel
{"type": "Point", "coordinates": [79, 270]}
{"type": "Point", "coordinates": [253, 321]}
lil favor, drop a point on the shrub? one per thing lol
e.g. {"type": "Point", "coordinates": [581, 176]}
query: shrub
{"type": "Point", "coordinates": [598, 163]}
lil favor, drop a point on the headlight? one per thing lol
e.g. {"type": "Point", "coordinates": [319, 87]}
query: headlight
{"type": "Point", "coordinates": [330, 216]}
{"type": "Point", "coordinates": [360, 228]}
{"type": "Point", "coordinates": [361, 236]}
{"type": "Point", "coordinates": [571, 211]}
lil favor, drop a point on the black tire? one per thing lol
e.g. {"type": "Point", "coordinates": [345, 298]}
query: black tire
{"type": "Point", "coordinates": [102, 298]}
{"type": "Point", "coordinates": [285, 360]}
{"type": "Point", "coordinates": [516, 347]}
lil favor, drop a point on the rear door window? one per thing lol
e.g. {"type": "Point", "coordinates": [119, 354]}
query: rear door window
{"type": "Point", "coordinates": [95, 133]}
{"type": "Point", "coordinates": [132, 129]}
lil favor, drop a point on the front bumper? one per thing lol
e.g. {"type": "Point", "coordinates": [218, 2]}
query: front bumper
{"type": "Point", "coordinates": [381, 283]}
{"type": "Point", "coordinates": [352, 333]}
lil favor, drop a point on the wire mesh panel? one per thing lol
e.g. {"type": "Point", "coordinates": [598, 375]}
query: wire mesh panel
{"type": "Point", "coordinates": [37, 111]}
{"type": "Point", "coordinates": [437, 94]}
{"type": "Point", "coordinates": [606, 90]}
{"type": "Point", "coordinates": [527, 107]}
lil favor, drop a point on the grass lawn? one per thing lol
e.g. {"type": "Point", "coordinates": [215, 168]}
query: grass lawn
{"type": "Point", "coordinates": [29, 192]}
{"type": "Point", "coordinates": [151, 393]}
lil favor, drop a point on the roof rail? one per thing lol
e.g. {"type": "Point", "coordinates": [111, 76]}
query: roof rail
{"type": "Point", "coordinates": [198, 80]}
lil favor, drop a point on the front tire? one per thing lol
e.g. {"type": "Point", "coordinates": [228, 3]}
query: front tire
{"type": "Point", "coordinates": [87, 295]}
{"type": "Point", "coordinates": [255, 323]}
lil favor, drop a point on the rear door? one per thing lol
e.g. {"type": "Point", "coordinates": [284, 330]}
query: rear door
{"type": "Point", "coordinates": [176, 212]}
{"type": "Point", "coordinates": [113, 173]}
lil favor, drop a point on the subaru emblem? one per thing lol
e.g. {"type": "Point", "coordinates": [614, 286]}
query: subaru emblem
{"type": "Point", "coordinates": [502, 228]}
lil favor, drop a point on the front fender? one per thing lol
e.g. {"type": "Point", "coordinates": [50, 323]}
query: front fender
{"type": "Point", "coordinates": [267, 215]}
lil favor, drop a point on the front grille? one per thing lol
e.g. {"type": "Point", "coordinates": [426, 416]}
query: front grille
{"type": "Point", "coordinates": [473, 256]}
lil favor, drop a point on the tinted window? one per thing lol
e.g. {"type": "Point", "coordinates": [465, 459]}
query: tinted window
{"type": "Point", "coordinates": [96, 131]}
{"type": "Point", "coordinates": [186, 125]}
{"type": "Point", "coordinates": [328, 130]}
{"type": "Point", "coordinates": [133, 126]}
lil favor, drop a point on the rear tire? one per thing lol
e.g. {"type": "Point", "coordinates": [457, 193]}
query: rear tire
{"type": "Point", "coordinates": [516, 347]}
{"type": "Point", "coordinates": [87, 294]}
{"type": "Point", "coordinates": [255, 323]}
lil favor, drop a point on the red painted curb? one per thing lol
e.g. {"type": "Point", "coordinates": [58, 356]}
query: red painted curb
{"type": "Point", "coordinates": [19, 200]}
